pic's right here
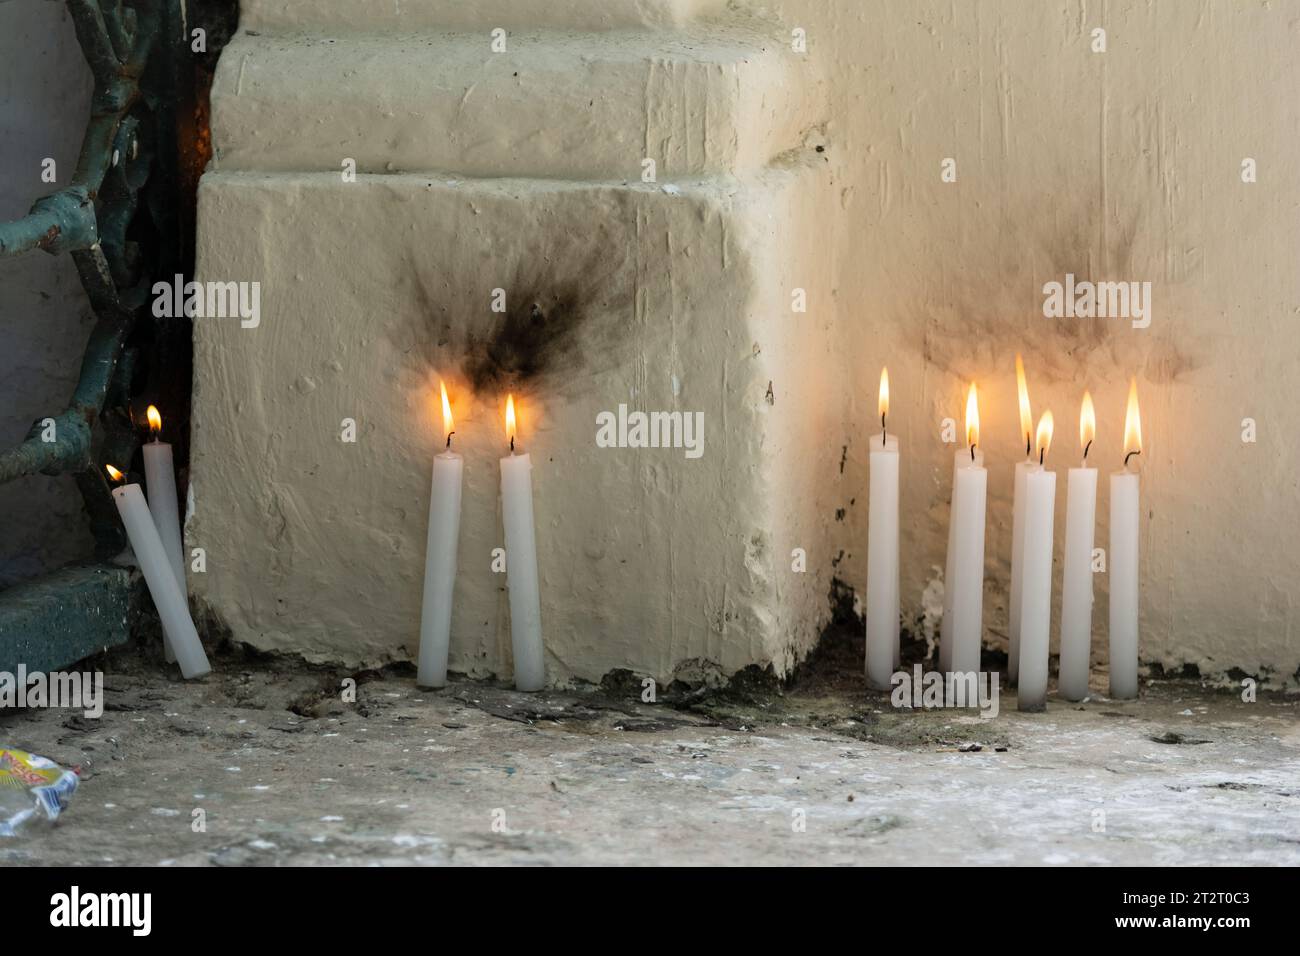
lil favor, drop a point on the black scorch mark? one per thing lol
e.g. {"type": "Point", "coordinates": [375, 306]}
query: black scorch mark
{"type": "Point", "coordinates": [556, 324]}
{"type": "Point", "coordinates": [536, 334]}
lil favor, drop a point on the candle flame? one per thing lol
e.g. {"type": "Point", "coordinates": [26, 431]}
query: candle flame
{"type": "Point", "coordinates": [1132, 422]}
{"type": "Point", "coordinates": [113, 473]}
{"type": "Point", "coordinates": [972, 417]}
{"type": "Point", "coordinates": [884, 393]}
{"type": "Point", "coordinates": [1044, 441]}
{"type": "Point", "coordinates": [1087, 422]}
{"type": "Point", "coordinates": [1026, 416]}
{"type": "Point", "coordinates": [155, 420]}
{"type": "Point", "coordinates": [447, 424]}
{"type": "Point", "coordinates": [510, 418]}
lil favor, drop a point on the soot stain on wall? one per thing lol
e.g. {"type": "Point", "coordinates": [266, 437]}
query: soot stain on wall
{"type": "Point", "coordinates": [981, 303]}
{"type": "Point", "coordinates": [589, 289]}
{"type": "Point", "coordinates": [554, 328]}
{"type": "Point", "coordinates": [565, 318]}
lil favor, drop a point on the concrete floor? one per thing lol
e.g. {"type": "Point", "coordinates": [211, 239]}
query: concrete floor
{"type": "Point", "coordinates": [476, 774]}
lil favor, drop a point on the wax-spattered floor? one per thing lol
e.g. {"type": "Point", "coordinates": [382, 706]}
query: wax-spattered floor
{"type": "Point", "coordinates": [286, 773]}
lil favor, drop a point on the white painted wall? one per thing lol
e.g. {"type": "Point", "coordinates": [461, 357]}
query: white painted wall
{"type": "Point", "coordinates": [1122, 165]}
{"type": "Point", "coordinates": [1116, 165]}
{"type": "Point", "coordinates": [44, 103]}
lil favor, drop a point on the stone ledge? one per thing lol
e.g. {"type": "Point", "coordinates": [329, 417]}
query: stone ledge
{"type": "Point", "coordinates": [59, 619]}
{"type": "Point", "coordinates": [314, 15]}
{"type": "Point", "coordinates": [556, 105]}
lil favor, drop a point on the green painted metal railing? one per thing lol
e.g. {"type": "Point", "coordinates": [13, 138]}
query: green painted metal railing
{"type": "Point", "coordinates": [118, 220]}
{"type": "Point", "coordinates": [89, 219]}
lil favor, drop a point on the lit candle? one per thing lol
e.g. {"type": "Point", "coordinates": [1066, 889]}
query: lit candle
{"type": "Point", "coordinates": [1124, 509]}
{"type": "Point", "coordinates": [1076, 578]}
{"type": "Point", "coordinates": [160, 479]}
{"type": "Point", "coordinates": [159, 576]}
{"type": "Point", "coordinates": [1036, 583]}
{"type": "Point", "coordinates": [1018, 524]}
{"type": "Point", "coordinates": [882, 553]}
{"type": "Point", "coordinates": [963, 618]}
{"type": "Point", "coordinates": [521, 563]}
{"type": "Point", "coordinates": [440, 558]}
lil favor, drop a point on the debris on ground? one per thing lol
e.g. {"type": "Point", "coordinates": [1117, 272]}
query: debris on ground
{"type": "Point", "coordinates": [1169, 737]}
{"type": "Point", "coordinates": [32, 790]}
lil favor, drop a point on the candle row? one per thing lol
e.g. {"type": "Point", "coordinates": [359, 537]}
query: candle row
{"type": "Point", "coordinates": [521, 560]}
{"type": "Point", "coordinates": [1033, 518]}
{"type": "Point", "coordinates": [153, 528]}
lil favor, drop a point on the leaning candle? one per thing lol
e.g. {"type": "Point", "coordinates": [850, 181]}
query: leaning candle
{"type": "Point", "coordinates": [160, 479]}
{"type": "Point", "coordinates": [963, 620]}
{"type": "Point", "coordinates": [882, 553]}
{"type": "Point", "coordinates": [1018, 524]}
{"type": "Point", "coordinates": [1124, 510]}
{"type": "Point", "coordinates": [1036, 596]}
{"type": "Point", "coordinates": [440, 559]}
{"type": "Point", "coordinates": [1076, 578]}
{"type": "Point", "coordinates": [521, 563]}
{"type": "Point", "coordinates": [159, 576]}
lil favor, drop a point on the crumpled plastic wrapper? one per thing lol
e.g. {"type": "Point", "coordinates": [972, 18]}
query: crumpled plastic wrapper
{"type": "Point", "coordinates": [32, 790]}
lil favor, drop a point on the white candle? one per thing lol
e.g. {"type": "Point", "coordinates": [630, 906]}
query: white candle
{"type": "Point", "coordinates": [160, 479]}
{"type": "Point", "coordinates": [1017, 569]}
{"type": "Point", "coordinates": [949, 575]}
{"type": "Point", "coordinates": [1018, 524]}
{"type": "Point", "coordinates": [161, 579]}
{"type": "Point", "coordinates": [1036, 597]}
{"type": "Point", "coordinates": [882, 554]}
{"type": "Point", "coordinates": [521, 563]}
{"type": "Point", "coordinates": [1124, 519]}
{"type": "Point", "coordinates": [963, 621]}
{"type": "Point", "coordinates": [440, 559]}
{"type": "Point", "coordinates": [898, 647]}
{"type": "Point", "coordinates": [1076, 577]}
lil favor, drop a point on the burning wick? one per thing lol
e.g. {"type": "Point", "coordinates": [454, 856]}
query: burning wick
{"type": "Point", "coordinates": [1026, 416]}
{"type": "Point", "coordinates": [510, 420]}
{"type": "Point", "coordinates": [447, 424]}
{"type": "Point", "coordinates": [114, 474]}
{"type": "Point", "coordinates": [884, 405]}
{"type": "Point", "coordinates": [155, 422]}
{"type": "Point", "coordinates": [1044, 436]}
{"type": "Point", "coordinates": [1087, 425]}
{"type": "Point", "coordinates": [1132, 424]}
{"type": "Point", "coordinates": [972, 420]}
